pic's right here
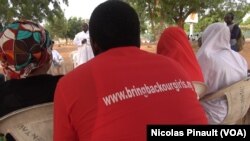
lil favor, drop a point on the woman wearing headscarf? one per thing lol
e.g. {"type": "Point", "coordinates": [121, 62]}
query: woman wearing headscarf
{"type": "Point", "coordinates": [25, 55]}
{"type": "Point", "coordinates": [221, 67]}
{"type": "Point", "coordinates": [174, 44]}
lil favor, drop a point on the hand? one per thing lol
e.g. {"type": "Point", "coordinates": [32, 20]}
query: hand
{"type": "Point", "coordinates": [84, 41]}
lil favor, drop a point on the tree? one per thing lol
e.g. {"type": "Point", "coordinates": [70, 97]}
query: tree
{"type": "Point", "coordinates": [158, 12]}
{"type": "Point", "coordinates": [217, 14]}
{"type": "Point", "coordinates": [148, 11]}
{"type": "Point", "coordinates": [57, 27]}
{"type": "Point", "coordinates": [63, 28]}
{"type": "Point", "coordinates": [247, 21]}
{"type": "Point", "coordinates": [36, 10]}
{"type": "Point", "coordinates": [74, 26]}
{"type": "Point", "coordinates": [246, 25]}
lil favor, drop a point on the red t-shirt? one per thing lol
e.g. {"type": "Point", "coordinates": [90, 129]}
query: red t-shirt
{"type": "Point", "coordinates": [118, 93]}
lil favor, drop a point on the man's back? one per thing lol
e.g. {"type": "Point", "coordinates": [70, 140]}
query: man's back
{"type": "Point", "coordinates": [118, 93]}
{"type": "Point", "coordinates": [121, 92]}
{"type": "Point", "coordinates": [236, 37]}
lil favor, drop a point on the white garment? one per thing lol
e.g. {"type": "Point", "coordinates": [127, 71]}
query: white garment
{"type": "Point", "coordinates": [85, 52]}
{"type": "Point", "coordinates": [57, 58]}
{"type": "Point", "coordinates": [73, 56]}
{"type": "Point", "coordinates": [220, 66]}
{"type": "Point", "coordinates": [57, 66]}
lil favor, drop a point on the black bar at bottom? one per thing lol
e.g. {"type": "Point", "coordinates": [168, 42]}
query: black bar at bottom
{"type": "Point", "coordinates": [216, 132]}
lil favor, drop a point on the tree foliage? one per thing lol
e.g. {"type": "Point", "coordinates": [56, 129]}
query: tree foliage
{"type": "Point", "coordinates": [156, 13]}
{"type": "Point", "coordinates": [57, 27]}
{"type": "Point", "coordinates": [246, 25]}
{"type": "Point", "coordinates": [247, 22]}
{"type": "Point", "coordinates": [63, 28]}
{"type": "Point", "coordinates": [36, 10]}
{"type": "Point", "coordinates": [74, 26]}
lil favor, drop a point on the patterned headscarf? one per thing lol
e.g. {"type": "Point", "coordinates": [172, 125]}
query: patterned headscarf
{"type": "Point", "coordinates": [24, 47]}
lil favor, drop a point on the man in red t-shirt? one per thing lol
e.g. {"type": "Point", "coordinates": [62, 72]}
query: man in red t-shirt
{"type": "Point", "coordinates": [123, 89]}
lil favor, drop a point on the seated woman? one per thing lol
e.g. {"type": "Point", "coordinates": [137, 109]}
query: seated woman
{"type": "Point", "coordinates": [57, 66]}
{"type": "Point", "coordinates": [174, 44]}
{"type": "Point", "coordinates": [25, 55]}
{"type": "Point", "coordinates": [221, 67]}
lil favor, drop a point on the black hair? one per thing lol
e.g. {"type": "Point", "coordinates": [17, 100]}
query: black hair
{"type": "Point", "coordinates": [231, 14]}
{"type": "Point", "coordinates": [114, 24]}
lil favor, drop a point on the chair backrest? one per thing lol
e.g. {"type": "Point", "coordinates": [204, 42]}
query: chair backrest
{"type": "Point", "coordinates": [34, 123]}
{"type": "Point", "coordinates": [238, 99]}
{"type": "Point", "coordinates": [200, 88]}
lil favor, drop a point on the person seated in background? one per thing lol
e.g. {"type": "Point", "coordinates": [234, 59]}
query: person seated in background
{"type": "Point", "coordinates": [221, 67]}
{"type": "Point", "coordinates": [173, 43]}
{"type": "Point", "coordinates": [57, 66]}
{"type": "Point", "coordinates": [123, 88]}
{"type": "Point", "coordinates": [25, 54]}
{"type": "Point", "coordinates": [236, 37]}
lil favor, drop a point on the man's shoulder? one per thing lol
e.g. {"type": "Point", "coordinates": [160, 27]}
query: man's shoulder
{"type": "Point", "coordinates": [79, 33]}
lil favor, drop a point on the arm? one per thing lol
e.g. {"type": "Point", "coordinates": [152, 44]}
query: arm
{"type": "Point", "coordinates": [63, 130]}
{"type": "Point", "coordinates": [80, 39]}
{"type": "Point", "coordinates": [59, 56]}
{"type": "Point", "coordinates": [77, 40]}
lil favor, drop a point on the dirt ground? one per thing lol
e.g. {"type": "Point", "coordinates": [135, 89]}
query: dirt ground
{"type": "Point", "coordinates": [66, 52]}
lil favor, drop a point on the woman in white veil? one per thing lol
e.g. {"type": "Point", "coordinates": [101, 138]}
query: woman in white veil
{"type": "Point", "coordinates": [220, 66]}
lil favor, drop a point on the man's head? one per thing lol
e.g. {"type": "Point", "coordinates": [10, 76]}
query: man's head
{"type": "Point", "coordinates": [85, 27]}
{"type": "Point", "coordinates": [229, 17]}
{"type": "Point", "coordinates": [25, 48]}
{"type": "Point", "coordinates": [113, 24]}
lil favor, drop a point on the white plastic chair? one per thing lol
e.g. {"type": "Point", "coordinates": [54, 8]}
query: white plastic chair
{"type": "Point", "coordinates": [33, 123]}
{"type": "Point", "coordinates": [238, 100]}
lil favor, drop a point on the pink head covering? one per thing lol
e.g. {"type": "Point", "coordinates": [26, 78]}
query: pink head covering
{"type": "Point", "coordinates": [24, 47]}
{"type": "Point", "coordinates": [174, 44]}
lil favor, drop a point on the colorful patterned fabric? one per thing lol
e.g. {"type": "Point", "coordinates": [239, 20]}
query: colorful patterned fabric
{"type": "Point", "coordinates": [24, 47]}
